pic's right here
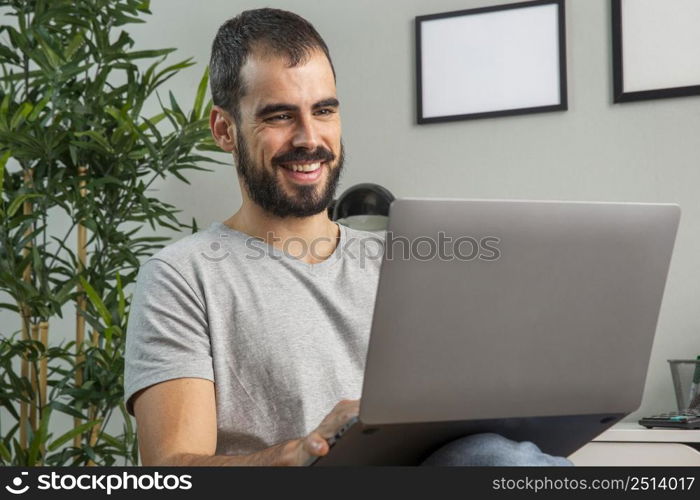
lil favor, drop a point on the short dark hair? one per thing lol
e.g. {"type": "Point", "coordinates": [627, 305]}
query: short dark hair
{"type": "Point", "coordinates": [276, 31]}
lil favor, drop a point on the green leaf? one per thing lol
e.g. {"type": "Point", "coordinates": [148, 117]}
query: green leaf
{"type": "Point", "coordinates": [5, 453]}
{"type": "Point", "coordinates": [66, 409]}
{"type": "Point", "coordinates": [114, 113]}
{"type": "Point", "coordinates": [64, 438]}
{"type": "Point", "coordinates": [20, 453]}
{"type": "Point", "coordinates": [17, 202]}
{"type": "Point", "coordinates": [3, 162]}
{"type": "Point", "coordinates": [90, 452]}
{"type": "Point", "coordinates": [40, 106]}
{"type": "Point", "coordinates": [11, 307]}
{"type": "Point", "coordinates": [145, 54]}
{"type": "Point", "coordinates": [21, 113]}
{"type": "Point", "coordinates": [122, 301]}
{"type": "Point", "coordinates": [153, 121]}
{"type": "Point", "coordinates": [75, 43]}
{"type": "Point", "coordinates": [53, 58]}
{"type": "Point", "coordinates": [112, 440]}
{"type": "Point", "coordinates": [165, 74]}
{"type": "Point", "coordinates": [127, 419]}
{"type": "Point", "coordinates": [121, 19]}
{"type": "Point", "coordinates": [21, 76]}
{"type": "Point", "coordinates": [4, 110]}
{"type": "Point", "coordinates": [199, 98]}
{"type": "Point", "coordinates": [176, 107]}
{"type": "Point", "coordinates": [73, 151]}
{"type": "Point", "coordinates": [97, 137]}
{"type": "Point", "coordinates": [8, 54]}
{"type": "Point", "coordinates": [64, 291]}
{"type": "Point", "coordinates": [40, 436]}
{"type": "Point", "coordinates": [96, 301]}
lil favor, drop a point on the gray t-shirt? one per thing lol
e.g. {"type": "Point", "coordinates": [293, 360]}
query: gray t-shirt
{"type": "Point", "coordinates": [282, 340]}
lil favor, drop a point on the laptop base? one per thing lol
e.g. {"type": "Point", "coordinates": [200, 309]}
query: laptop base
{"type": "Point", "coordinates": [410, 444]}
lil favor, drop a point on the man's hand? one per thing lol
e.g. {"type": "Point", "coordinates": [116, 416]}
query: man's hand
{"type": "Point", "coordinates": [316, 443]}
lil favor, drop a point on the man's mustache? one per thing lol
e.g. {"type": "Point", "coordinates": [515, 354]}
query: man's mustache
{"type": "Point", "coordinates": [301, 155]}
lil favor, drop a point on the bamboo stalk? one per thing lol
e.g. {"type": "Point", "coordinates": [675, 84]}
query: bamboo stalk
{"type": "Point", "coordinates": [95, 431]}
{"type": "Point", "coordinates": [81, 301]}
{"type": "Point", "coordinates": [26, 318]}
{"type": "Point", "coordinates": [32, 407]}
{"type": "Point", "coordinates": [44, 364]}
{"type": "Point", "coordinates": [44, 372]}
{"type": "Point", "coordinates": [24, 373]}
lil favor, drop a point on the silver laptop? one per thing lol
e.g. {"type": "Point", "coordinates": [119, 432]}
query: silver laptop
{"type": "Point", "coordinates": [531, 319]}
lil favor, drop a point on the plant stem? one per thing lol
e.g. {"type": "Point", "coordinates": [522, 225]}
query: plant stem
{"type": "Point", "coordinates": [33, 406]}
{"type": "Point", "coordinates": [43, 366]}
{"type": "Point", "coordinates": [70, 230]}
{"type": "Point", "coordinates": [26, 316]}
{"type": "Point", "coordinates": [43, 374]}
{"type": "Point", "coordinates": [81, 303]}
{"type": "Point", "coordinates": [92, 412]}
{"type": "Point", "coordinates": [24, 372]}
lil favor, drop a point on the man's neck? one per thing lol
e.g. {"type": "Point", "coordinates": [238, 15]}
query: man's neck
{"type": "Point", "coordinates": [311, 239]}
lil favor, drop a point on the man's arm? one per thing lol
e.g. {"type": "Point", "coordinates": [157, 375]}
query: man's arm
{"type": "Point", "coordinates": [177, 426]}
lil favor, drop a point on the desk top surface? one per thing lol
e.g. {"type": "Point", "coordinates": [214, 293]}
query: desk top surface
{"type": "Point", "coordinates": [632, 432]}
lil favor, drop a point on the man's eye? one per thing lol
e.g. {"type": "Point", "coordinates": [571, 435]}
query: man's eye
{"type": "Point", "coordinates": [277, 118]}
{"type": "Point", "coordinates": [325, 111]}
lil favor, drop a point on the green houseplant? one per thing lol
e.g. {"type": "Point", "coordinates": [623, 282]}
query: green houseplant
{"type": "Point", "coordinates": [75, 140]}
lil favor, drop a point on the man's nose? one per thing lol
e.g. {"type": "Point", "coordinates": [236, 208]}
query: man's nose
{"type": "Point", "coordinates": [305, 135]}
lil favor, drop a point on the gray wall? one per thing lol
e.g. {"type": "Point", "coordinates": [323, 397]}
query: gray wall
{"type": "Point", "coordinates": [643, 151]}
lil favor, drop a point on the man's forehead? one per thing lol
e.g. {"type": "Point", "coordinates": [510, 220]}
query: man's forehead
{"type": "Point", "coordinates": [268, 77]}
{"type": "Point", "coordinates": [262, 51]}
{"type": "Point", "coordinates": [265, 62]}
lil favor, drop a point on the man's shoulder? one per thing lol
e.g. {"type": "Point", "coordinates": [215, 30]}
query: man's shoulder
{"type": "Point", "coordinates": [361, 238]}
{"type": "Point", "coordinates": [188, 249]}
{"type": "Point", "coordinates": [361, 234]}
{"type": "Point", "coordinates": [178, 248]}
{"type": "Point", "coordinates": [364, 247]}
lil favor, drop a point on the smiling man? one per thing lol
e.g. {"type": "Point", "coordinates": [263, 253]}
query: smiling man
{"type": "Point", "coordinates": [247, 341]}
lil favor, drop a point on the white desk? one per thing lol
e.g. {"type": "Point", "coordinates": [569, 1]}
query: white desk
{"type": "Point", "coordinates": [629, 444]}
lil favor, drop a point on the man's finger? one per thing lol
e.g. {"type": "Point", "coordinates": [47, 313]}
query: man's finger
{"type": "Point", "coordinates": [339, 416]}
{"type": "Point", "coordinates": [315, 444]}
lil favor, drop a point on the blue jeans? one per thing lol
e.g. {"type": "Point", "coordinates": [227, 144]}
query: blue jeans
{"type": "Point", "coordinates": [492, 449]}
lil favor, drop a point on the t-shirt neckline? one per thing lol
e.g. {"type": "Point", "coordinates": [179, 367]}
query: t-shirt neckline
{"type": "Point", "coordinates": [271, 249]}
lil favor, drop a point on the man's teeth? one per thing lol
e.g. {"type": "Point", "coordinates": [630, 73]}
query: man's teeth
{"type": "Point", "coordinates": [303, 168]}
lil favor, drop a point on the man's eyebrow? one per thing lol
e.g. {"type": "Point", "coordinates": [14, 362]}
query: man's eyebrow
{"type": "Point", "coordinates": [270, 109]}
{"type": "Point", "coordinates": [275, 108]}
{"type": "Point", "coordinates": [331, 102]}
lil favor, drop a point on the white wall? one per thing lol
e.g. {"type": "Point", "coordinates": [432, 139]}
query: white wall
{"type": "Point", "coordinates": [645, 151]}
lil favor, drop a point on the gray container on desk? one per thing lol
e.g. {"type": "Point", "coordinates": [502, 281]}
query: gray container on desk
{"type": "Point", "coordinates": [686, 382]}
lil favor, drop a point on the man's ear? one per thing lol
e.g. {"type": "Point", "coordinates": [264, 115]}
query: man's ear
{"type": "Point", "coordinates": [223, 128]}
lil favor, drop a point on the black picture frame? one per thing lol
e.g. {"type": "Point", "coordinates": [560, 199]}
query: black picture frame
{"type": "Point", "coordinates": [620, 95]}
{"type": "Point", "coordinates": [560, 105]}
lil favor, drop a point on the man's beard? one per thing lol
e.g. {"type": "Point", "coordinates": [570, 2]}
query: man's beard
{"type": "Point", "coordinates": [266, 190]}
